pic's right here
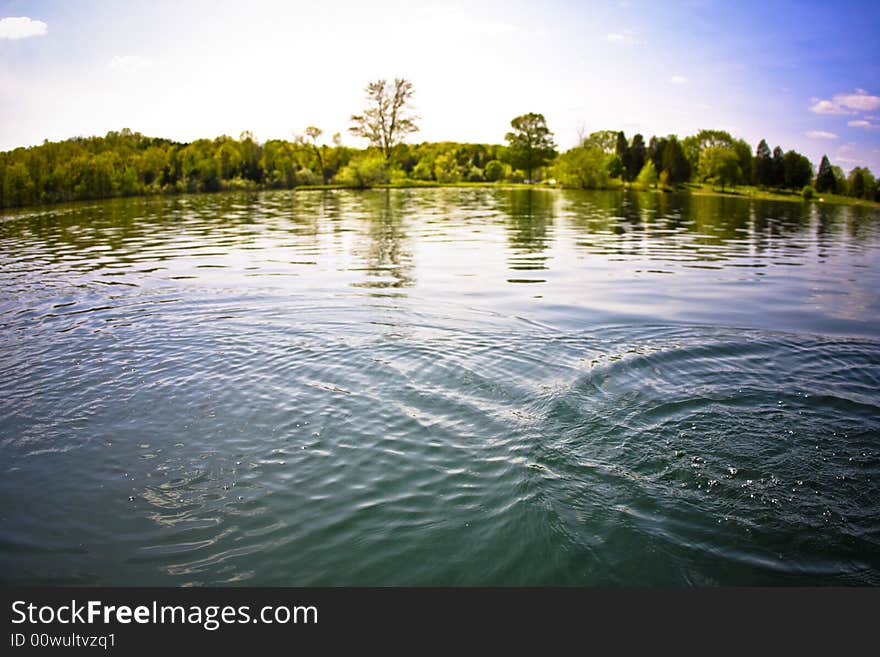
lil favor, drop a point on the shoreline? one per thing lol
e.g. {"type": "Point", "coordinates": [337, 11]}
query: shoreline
{"type": "Point", "coordinates": [693, 189]}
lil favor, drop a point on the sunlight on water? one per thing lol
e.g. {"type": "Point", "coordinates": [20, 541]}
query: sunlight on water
{"type": "Point", "coordinates": [457, 387]}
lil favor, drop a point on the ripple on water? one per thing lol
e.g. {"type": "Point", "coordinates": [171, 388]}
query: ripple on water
{"type": "Point", "coordinates": [302, 403]}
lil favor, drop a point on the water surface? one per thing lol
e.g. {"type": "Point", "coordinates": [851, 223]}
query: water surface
{"type": "Point", "coordinates": [440, 387]}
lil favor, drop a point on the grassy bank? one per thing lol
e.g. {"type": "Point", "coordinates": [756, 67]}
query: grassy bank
{"type": "Point", "coordinates": [695, 189]}
{"type": "Point", "coordinates": [750, 192]}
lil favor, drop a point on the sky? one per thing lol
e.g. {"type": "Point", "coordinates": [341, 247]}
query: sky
{"type": "Point", "coordinates": [803, 75]}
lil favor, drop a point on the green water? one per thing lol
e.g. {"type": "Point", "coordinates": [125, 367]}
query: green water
{"type": "Point", "coordinates": [440, 387]}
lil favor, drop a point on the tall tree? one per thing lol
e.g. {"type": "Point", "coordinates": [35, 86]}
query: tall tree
{"type": "Point", "coordinates": [621, 149]}
{"type": "Point", "coordinates": [778, 179]}
{"type": "Point", "coordinates": [744, 160]}
{"type": "Point", "coordinates": [825, 181]}
{"type": "Point", "coordinates": [313, 132]}
{"type": "Point", "coordinates": [637, 156]}
{"type": "Point", "coordinates": [656, 147]}
{"type": "Point", "coordinates": [763, 172]}
{"type": "Point", "coordinates": [720, 164]}
{"type": "Point", "coordinates": [674, 162]}
{"type": "Point", "coordinates": [531, 143]}
{"type": "Point", "coordinates": [861, 183]}
{"type": "Point", "coordinates": [386, 121]}
{"type": "Point", "coordinates": [604, 140]}
{"type": "Point", "coordinates": [798, 171]}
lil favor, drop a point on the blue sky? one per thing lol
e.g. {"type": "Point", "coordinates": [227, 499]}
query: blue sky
{"type": "Point", "coordinates": [804, 75]}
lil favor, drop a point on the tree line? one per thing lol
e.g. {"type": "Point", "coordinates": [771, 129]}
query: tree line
{"type": "Point", "coordinates": [127, 163]}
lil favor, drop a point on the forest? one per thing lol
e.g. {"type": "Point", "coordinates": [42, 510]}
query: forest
{"type": "Point", "coordinates": [127, 163]}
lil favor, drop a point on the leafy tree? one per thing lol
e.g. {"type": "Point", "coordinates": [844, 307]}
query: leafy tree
{"type": "Point", "coordinates": [494, 171]}
{"type": "Point", "coordinates": [674, 162]}
{"type": "Point", "coordinates": [798, 171]}
{"type": "Point", "coordinates": [621, 149]}
{"type": "Point", "coordinates": [250, 157]}
{"type": "Point", "coordinates": [720, 164]}
{"type": "Point", "coordinates": [839, 180]}
{"type": "Point", "coordinates": [763, 169]}
{"type": "Point", "coordinates": [18, 188]}
{"type": "Point", "coordinates": [615, 166]}
{"type": "Point", "coordinates": [656, 147]}
{"type": "Point", "coordinates": [531, 143]}
{"type": "Point", "coordinates": [365, 171]}
{"type": "Point", "coordinates": [825, 181]}
{"type": "Point", "coordinates": [637, 156]}
{"type": "Point", "coordinates": [648, 175]}
{"type": "Point", "coordinates": [778, 178]}
{"type": "Point", "coordinates": [446, 168]}
{"type": "Point", "coordinates": [861, 183]}
{"type": "Point", "coordinates": [386, 121]}
{"type": "Point", "coordinates": [583, 168]}
{"type": "Point", "coordinates": [604, 140]}
{"type": "Point", "coordinates": [228, 157]}
{"type": "Point", "coordinates": [312, 133]}
{"type": "Point", "coordinates": [744, 160]}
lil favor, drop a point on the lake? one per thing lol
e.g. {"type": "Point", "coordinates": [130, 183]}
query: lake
{"type": "Point", "coordinates": [468, 386]}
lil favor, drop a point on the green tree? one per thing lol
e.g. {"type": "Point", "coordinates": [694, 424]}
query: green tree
{"type": "Point", "coordinates": [446, 168]}
{"type": "Point", "coordinates": [763, 172]}
{"type": "Point", "coordinates": [18, 188]}
{"type": "Point", "coordinates": [655, 151]}
{"type": "Point", "coordinates": [312, 133]}
{"type": "Point", "coordinates": [647, 176]}
{"type": "Point", "coordinates": [583, 168]}
{"type": "Point", "coordinates": [720, 164]}
{"type": "Point", "coordinates": [744, 160]}
{"type": "Point", "coordinates": [825, 181]}
{"type": "Point", "coordinates": [531, 143]}
{"type": "Point", "coordinates": [778, 178]}
{"type": "Point", "coordinates": [250, 152]}
{"type": "Point", "coordinates": [674, 162]}
{"type": "Point", "coordinates": [614, 165]}
{"type": "Point", "coordinates": [798, 171]}
{"type": "Point", "coordinates": [604, 140]}
{"type": "Point", "coordinates": [386, 121]}
{"type": "Point", "coordinates": [621, 149]}
{"type": "Point", "coordinates": [839, 180]}
{"type": "Point", "coordinates": [637, 155]}
{"type": "Point", "coordinates": [365, 171]}
{"type": "Point", "coordinates": [861, 183]}
{"type": "Point", "coordinates": [494, 171]}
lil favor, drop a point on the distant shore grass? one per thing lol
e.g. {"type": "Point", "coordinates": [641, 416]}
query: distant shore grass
{"type": "Point", "coordinates": [751, 192]}
{"type": "Point", "coordinates": [695, 189]}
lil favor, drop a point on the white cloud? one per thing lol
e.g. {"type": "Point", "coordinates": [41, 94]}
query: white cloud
{"type": "Point", "coordinates": [625, 37]}
{"type": "Point", "coordinates": [861, 100]}
{"type": "Point", "coordinates": [820, 134]}
{"type": "Point", "coordinates": [858, 101]}
{"type": "Point", "coordinates": [21, 27]}
{"type": "Point", "coordinates": [862, 123]}
{"type": "Point", "coordinates": [678, 79]}
{"type": "Point", "coordinates": [826, 107]}
{"type": "Point", "coordinates": [129, 63]}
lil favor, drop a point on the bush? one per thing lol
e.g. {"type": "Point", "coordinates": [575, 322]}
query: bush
{"type": "Point", "coordinates": [647, 176]}
{"type": "Point", "coordinates": [424, 170]}
{"type": "Point", "coordinates": [307, 177]}
{"type": "Point", "coordinates": [807, 192]}
{"type": "Point", "coordinates": [365, 171]}
{"type": "Point", "coordinates": [585, 168]}
{"type": "Point", "coordinates": [398, 176]}
{"type": "Point", "coordinates": [475, 174]}
{"type": "Point", "coordinates": [494, 171]}
{"type": "Point", "coordinates": [446, 168]}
